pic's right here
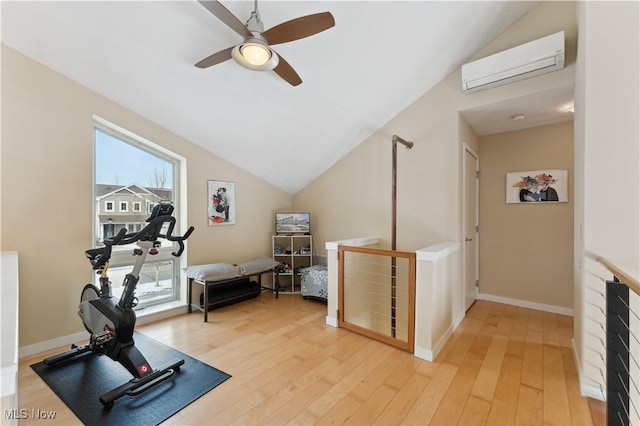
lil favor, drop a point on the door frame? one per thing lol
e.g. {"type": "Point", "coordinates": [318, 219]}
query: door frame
{"type": "Point", "coordinates": [466, 148]}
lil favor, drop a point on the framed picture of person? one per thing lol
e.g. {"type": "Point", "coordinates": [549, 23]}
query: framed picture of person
{"type": "Point", "coordinates": [221, 202]}
{"type": "Point", "coordinates": [538, 186]}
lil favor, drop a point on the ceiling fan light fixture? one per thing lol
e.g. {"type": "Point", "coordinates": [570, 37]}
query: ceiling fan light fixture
{"type": "Point", "coordinates": [255, 56]}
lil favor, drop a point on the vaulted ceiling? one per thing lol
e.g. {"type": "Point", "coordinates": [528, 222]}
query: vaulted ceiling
{"type": "Point", "coordinates": [379, 58]}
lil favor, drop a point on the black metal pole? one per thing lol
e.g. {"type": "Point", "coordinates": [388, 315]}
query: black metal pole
{"type": "Point", "coordinates": [394, 185]}
{"type": "Point", "coordinates": [617, 353]}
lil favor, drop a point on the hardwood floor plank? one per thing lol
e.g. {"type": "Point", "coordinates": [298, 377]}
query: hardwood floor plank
{"type": "Point", "coordinates": [456, 353]}
{"type": "Point", "coordinates": [555, 398]}
{"type": "Point", "coordinates": [280, 394]}
{"type": "Point", "coordinates": [373, 407]}
{"type": "Point", "coordinates": [598, 411]}
{"type": "Point", "coordinates": [380, 375]}
{"type": "Point", "coordinates": [429, 400]}
{"type": "Point", "coordinates": [402, 402]}
{"type": "Point", "coordinates": [485, 383]}
{"type": "Point", "coordinates": [296, 406]}
{"type": "Point", "coordinates": [530, 410]}
{"type": "Point", "coordinates": [532, 360]}
{"type": "Point", "coordinates": [506, 321]}
{"type": "Point", "coordinates": [455, 398]}
{"type": "Point", "coordinates": [505, 398]}
{"type": "Point", "coordinates": [322, 407]}
{"type": "Point", "coordinates": [578, 405]}
{"type": "Point", "coordinates": [550, 334]}
{"type": "Point", "coordinates": [404, 371]}
{"type": "Point", "coordinates": [565, 330]}
{"type": "Point", "coordinates": [482, 341]}
{"type": "Point", "coordinates": [475, 412]}
{"type": "Point", "coordinates": [340, 411]}
{"type": "Point", "coordinates": [518, 334]}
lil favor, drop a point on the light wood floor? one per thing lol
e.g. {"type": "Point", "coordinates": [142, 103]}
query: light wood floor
{"type": "Point", "coordinates": [503, 365]}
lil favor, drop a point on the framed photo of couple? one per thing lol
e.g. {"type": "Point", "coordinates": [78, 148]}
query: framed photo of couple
{"type": "Point", "coordinates": [538, 186]}
{"type": "Point", "coordinates": [221, 202]}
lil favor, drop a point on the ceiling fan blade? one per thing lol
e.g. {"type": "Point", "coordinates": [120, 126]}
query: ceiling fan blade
{"type": "Point", "coordinates": [215, 59]}
{"type": "Point", "coordinates": [223, 14]}
{"type": "Point", "coordinates": [298, 28]}
{"type": "Point", "coordinates": [287, 72]}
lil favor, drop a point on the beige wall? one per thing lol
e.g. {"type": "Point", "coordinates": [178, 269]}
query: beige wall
{"type": "Point", "coordinates": [47, 138]}
{"type": "Point", "coordinates": [468, 136]}
{"type": "Point", "coordinates": [526, 250]}
{"type": "Point", "coordinates": [352, 199]}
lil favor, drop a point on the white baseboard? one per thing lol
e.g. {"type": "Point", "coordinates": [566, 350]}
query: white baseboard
{"type": "Point", "coordinates": [591, 391]}
{"type": "Point", "coordinates": [447, 334]}
{"type": "Point", "coordinates": [423, 353]}
{"type": "Point", "coordinates": [588, 391]}
{"type": "Point", "coordinates": [526, 304]}
{"type": "Point", "coordinates": [458, 320]}
{"type": "Point", "coordinates": [430, 355]}
{"type": "Point", "coordinates": [144, 316]}
{"type": "Point", "coordinates": [29, 350]}
{"type": "Point", "coordinates": [333, 322]}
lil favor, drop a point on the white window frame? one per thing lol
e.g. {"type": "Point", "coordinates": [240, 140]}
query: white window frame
{"type": "Point", "coordinates": [137, 206]}
{"type": "Point", "coordinates": [109, 203]}
{"type": "Point", "coordinates": [125, 204]}
{"type": "Point", "coordinates": [123, 257]}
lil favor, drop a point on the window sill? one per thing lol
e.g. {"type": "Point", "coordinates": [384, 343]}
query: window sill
{"type": "Point", "coordinates": [161, 311]}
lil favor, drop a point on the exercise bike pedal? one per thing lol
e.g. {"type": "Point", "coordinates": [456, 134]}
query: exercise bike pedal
{"type": "Point", "coordinates": [101, 338]}
{"type": "Point", "coordinates": [71, 353]}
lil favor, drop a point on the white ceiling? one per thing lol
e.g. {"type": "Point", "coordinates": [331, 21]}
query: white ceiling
{"type": "Point", "coordinates": [379, 58]}
{"type": "Point", "coordinates": [544, 108]}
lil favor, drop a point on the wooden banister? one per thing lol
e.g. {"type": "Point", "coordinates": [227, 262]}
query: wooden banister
{"type": "Point", "coordinates": [625, 278]}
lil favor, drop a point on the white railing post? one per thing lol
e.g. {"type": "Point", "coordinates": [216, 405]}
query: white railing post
{"type": "Point", "coordinates": [439, 297]}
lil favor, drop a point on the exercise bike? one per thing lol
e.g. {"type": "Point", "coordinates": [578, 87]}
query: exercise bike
{"type": "Point", "coordinates": [110, 322]}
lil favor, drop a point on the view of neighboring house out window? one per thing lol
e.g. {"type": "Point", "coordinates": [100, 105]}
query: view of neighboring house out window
{"type": "Point", "coordinates": [130, 171]}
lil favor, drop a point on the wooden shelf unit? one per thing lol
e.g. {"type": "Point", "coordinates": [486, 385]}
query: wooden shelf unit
{"type": "Point", "coordinates": [295, 250]}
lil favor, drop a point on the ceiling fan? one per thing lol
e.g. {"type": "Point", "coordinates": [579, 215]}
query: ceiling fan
{"type": "Point", "coordinates": [255, 52]}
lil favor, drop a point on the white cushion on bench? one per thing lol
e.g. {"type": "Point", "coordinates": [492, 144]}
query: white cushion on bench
{"type": "Point", "coordinates": [225, 271]}
{"type": "Point", "coordinates": [212, 271]}
{"type": "Point", "coordinates": [255, 266]}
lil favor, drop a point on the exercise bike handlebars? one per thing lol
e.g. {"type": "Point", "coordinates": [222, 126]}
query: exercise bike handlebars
{"type": "Point", "coordinates": [151, 232]}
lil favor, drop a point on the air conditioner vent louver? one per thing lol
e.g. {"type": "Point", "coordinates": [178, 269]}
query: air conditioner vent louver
{"type": "Point", "coordinates": [537, 57]}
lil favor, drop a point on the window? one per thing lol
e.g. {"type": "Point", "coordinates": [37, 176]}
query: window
{"type": "Point", "coordinates": [128, 168]}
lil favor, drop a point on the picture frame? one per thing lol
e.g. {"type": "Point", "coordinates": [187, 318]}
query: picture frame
{"type": "Point", "coordinates": [537, 187]}
{"type": "Point", "coordinates": [221, 202]}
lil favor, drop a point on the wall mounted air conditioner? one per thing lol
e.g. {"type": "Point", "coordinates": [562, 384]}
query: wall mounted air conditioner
{"type": "Point", "coordinates": [537, 57]}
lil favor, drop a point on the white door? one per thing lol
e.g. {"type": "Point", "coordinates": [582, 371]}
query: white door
{"type": "Point", "coordinates": [471, 168]}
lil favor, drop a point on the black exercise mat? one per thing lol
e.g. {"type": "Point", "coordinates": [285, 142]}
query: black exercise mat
{"type": "Point", "coordinates": [80, 382]}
